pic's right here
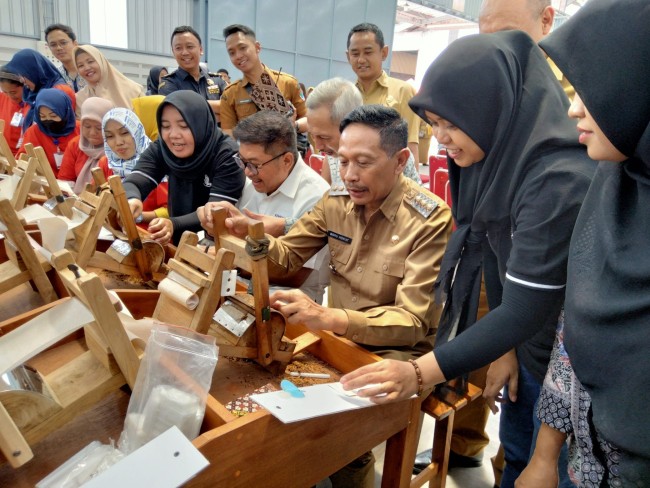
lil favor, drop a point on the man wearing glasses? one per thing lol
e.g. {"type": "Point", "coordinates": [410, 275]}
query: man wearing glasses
{"type": "Point", "coordinates": [279, 184]}
{"type": "Point", "coordinates": [62, 41]}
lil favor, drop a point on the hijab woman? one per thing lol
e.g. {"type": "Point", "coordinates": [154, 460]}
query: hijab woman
{"type": "Point", "coordinates": [12, 108]}
{"type": "Point", "coordinates": [37, 72]}
{"type": "Point", "coordinates": [195, 155]}
{"type": "Point", "coordinates": [153, 80]}
{"type": "Point", "coordinates": [606, 339]}
{"type": "Point", "coordinates": [55, 127]}
{"type": "Point", "coordinates": [84, 152]}
{"type": "Point", "coordinates": [124, 141]}
{"type": "Point", "coordinates": [103, 79]}
{"type": "Point", "coordinates": [517, 177]}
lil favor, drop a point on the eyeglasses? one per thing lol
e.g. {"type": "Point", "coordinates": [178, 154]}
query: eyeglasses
{"type": "Point", "coordinates": [254, 168]}
{"type": "Point", "coordinates": [54, 45]}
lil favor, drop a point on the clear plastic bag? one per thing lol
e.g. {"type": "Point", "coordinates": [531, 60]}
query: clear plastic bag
{"type": "Point", "coordinates": [83, 466]}
{"type": "Point", "coordinates": [172, 386]}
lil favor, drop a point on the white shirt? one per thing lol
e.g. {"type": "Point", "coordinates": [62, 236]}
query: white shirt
{"type": "Point", "coordinates": [296, 195]}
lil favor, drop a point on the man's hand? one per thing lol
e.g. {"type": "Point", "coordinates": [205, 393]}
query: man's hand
{"type": "Point", "coordinates": [300, 309]}
{"type": "Point", "coordinates": [161, 230]}
{"type": "Point", "coordinates": [236, 222]}
{"type": "Point", "coordinates": [503, 371]}
{"type": "Point", "coordinates": [272, 225]}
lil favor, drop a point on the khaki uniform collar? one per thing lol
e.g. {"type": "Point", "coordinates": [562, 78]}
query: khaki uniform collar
{"type": "Point", "coordinates": [382, 81]}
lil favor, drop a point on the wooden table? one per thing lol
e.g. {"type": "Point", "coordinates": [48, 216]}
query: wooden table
{"type": "Point", "coordinates": [256, 449]}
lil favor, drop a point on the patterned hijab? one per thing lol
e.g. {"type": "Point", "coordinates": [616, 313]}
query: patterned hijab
{"type": "Point", "coordinates": [131, 123]}
{"type": "Point", "coordinates": [39, 70]}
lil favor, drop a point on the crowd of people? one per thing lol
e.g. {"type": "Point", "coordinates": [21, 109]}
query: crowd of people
{"type": "Point", "coordinates": [547, 219]}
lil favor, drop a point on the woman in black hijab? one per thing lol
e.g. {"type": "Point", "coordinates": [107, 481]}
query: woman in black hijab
{"type": "Point", "coordinates": [153, 80]}
{"type": "Point", "coordinates": [517, 197]}
{"type": "Point", "coordinates": [195, 155]}
{"type": "Point", "coordinates": [604, 51]}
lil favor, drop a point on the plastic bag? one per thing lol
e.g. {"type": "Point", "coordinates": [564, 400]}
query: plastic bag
{"type": "Point", "coordinates": [83, 466]}
{"type": "Point", "coordinates": [172, 386]}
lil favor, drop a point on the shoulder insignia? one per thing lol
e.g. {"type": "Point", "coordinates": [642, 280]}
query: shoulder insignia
{"type": "Point", "coordinates": [421, 203]}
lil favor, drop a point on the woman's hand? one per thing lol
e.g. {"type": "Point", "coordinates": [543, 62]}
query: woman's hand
{"type": "Point", "coordinates": [503, 371]}
{"type": "Point", "coordinates": [538, 474]}
{"type": "Point", "coordinates": [136, 207]}
{"type": "Point", "coordinates": [382, 382]}
{"type": "Point", "coordinates": [161, 230]}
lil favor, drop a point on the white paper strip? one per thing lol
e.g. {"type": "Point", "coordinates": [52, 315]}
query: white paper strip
{"type": "Point", "coordinates": [8, 186]}
{"type": "Point", "coordinates": [41, 332]}
{"type": "Point", "coordinates": [178, 293]}
{"type": "Point", "coordinates": [167, 461]}
{"type": "Point", "coordinates": [319, 400]}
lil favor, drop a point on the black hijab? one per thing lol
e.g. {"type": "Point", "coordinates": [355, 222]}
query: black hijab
{"type": "Point", "coordinates": [500, 91]}
{"type": "Point", "coordinates": [153, 80]}
{"type": "Point", "coordinates": [604, 51]}
{"type": "Point", "coordinates": [200, 119]}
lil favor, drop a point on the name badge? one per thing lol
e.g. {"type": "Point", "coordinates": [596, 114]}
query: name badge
{"type": "Point", "coordinates": [339, 237]}
{"type": "Point", "coordinates": [58, 158]}
{"type": "Point", "coordinates": [17, 119]}
{"type": "Point", "coordinates": [245, 100]}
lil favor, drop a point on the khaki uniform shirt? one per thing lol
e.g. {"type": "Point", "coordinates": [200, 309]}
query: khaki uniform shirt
{"type": "Point", "coordinates": [381, 272]}
{"type": "Point", "coordinates": [236, 102]}
{"type": "Point", "coordinates": [393, 93]}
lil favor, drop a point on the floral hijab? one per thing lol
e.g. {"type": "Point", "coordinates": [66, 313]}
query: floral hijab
{"type": "Point", "coordinates": [130, 121]}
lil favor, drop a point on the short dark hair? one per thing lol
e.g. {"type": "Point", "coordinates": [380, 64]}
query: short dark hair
{"type": "Point", "coordinates": [393, 130]}
{"type": "Point", "coordinates": [62, 27]}
{"type": "Point", "coordinates": [368, 27]}
{"type": "Point", "coordinates": [235, 28]}
{"type": "Point", "coordinates": [182, 29]}
{"type": "Point", "coordinates": [223, 70]}
{"type": "Point", "coordinates": [270, 129]}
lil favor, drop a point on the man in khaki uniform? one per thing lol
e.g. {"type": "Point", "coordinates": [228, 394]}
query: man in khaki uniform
{"type": "Point", "coordinates": [366, 52]}
{"type": "Point", "coordinates": [386, 236]}
{"type": "Point", "coordinates": [239, 99]}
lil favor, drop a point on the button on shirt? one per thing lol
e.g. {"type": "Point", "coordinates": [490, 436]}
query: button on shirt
{"type": "Point", "coordinates": [381, 272]}
{"type": "Point", "coordinates": [210, 87]}
{"type": "Point", "coordinates": [296, 196]}
{"type": "Point", "coordinates": [393, 93]}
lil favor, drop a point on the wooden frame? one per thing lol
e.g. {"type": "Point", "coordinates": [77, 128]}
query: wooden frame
{"type": "Point", "coordinates": [24, 264]}
{"type": "Point", "coordinates": [51, 185]}
{"type": "Point", "coordinates": [7, 159]}
{"type": "Point", "coordinates": [146, 257]}
{"type": "Point", "coordinates": [257, 449]}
